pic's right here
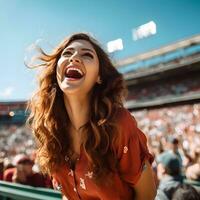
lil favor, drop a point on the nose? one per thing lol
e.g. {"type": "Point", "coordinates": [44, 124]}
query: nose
{"type": "Point", "coordinates": [75, 58]}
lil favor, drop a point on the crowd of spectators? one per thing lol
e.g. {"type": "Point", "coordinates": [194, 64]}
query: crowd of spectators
{"type": "Point", "coordinates": [17, 157]}
{"type": "Point", "coordinates": [23, 172]}
{"type": "Point", "coordinates": [15, 139]}
{"type": "Point", "coordinates": [173, 138]}
{"type": "Point", "coordinates": [165, 88]}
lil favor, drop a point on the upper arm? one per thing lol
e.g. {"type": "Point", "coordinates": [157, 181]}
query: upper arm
{"type": "Point", "coordinates": [132, 150]}
{"type": "Point", "coordinates": [134, 159]}
{"type": "Point", "coordinates": [145, 187]}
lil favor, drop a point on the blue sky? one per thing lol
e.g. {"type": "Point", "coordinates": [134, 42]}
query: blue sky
{"type": "Point", "coordinates": [22, 22]}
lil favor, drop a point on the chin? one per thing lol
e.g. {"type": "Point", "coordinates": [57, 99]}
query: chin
{"type": "Point", "coordinates": [76, 89]}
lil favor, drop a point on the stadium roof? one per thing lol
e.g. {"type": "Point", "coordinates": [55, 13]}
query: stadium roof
{"type": "Point", "coordinates": [195, 40]}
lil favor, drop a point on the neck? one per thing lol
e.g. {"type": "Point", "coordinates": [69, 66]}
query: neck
{"type": "Point", "coordinates": [78, 110]}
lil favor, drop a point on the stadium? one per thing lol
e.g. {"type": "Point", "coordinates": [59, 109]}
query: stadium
{"type": "Point", "coordinates": [163, 95]}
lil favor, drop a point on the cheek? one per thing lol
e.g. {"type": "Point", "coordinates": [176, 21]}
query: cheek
{"type": "Point", "coordinates": [59, 69]}
{"type": "Point", "coordinates": [93, 73]}
{"type": "Point", "coordinates": [61, 63]}
{"type": "Point", "coordinates": [58, 75]}
{"type": "Point", "coordinates": [94, 68]}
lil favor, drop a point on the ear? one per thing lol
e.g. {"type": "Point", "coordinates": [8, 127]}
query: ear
{"type": "Point", "coordinates": [99, 81]}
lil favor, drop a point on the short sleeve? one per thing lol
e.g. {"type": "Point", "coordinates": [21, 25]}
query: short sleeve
{"type": "Point", "coordinates": [132, 149]}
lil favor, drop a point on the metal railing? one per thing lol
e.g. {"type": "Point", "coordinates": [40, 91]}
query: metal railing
{"type": "Point", "coordinates": [14, 191]}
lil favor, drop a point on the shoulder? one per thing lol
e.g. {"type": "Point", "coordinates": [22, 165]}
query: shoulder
{"type": "Point", "coordinates": [123, 113]}
{"type": "Point", "coordinates": [127, 129]}
{"type": "Point", "coordinates": [10, 171]}
{"type": "Point", "coordinates": [124, 116]}
{"type": "Point", "coordinates": [126, 122]}
{"type": "Point", "coordinates": [129, 133]}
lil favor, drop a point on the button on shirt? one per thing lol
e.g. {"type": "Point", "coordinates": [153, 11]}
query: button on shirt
{"type": "Point", "coordinates": [131, 153]}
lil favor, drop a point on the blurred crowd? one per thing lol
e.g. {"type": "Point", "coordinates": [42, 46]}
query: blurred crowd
{"type": "Point", "coordinates": [15, 139]}
{"type": "Point", "coordinates": [17, 157]}
{"type": "Point", "coordinates": [173, 138]}
{"type": "Point", "coordinates": [165, 88]}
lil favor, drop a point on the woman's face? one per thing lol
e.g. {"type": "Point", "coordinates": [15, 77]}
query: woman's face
{"type": "Point", "coordinates": [78, 68]}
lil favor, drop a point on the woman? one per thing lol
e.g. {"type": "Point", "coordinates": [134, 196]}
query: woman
{"type": "Point", "coordinates": [87, 141]}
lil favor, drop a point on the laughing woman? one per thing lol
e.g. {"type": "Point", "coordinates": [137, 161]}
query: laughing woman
{"type": "Point", "coordinates": [87, 141]}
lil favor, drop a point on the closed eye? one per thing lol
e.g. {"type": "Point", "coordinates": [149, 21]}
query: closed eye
{"type": "Point", "coordinates": [88, 55]}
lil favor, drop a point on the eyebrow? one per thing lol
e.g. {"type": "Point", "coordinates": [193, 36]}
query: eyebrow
{"type": "Point", "coordinates": [83, 49]}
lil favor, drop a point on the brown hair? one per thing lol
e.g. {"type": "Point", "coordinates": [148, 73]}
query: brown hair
{"type": "Point", "coordinates": [49, 119]}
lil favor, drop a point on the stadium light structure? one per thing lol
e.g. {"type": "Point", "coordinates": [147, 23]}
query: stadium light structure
{"type": "Point", "coordinates": [144, 31]}
{"type": "Point", "coordinates": [115, 45]}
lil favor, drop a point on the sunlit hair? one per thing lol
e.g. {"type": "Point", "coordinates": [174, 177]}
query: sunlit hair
{"type": "Point", "coordinates": [49, 119]}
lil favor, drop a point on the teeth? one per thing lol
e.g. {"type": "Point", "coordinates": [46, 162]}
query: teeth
{"type": "Point", "coordinates": [78, 70]}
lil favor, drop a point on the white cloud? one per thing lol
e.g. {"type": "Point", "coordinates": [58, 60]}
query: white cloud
{"type": "Point", "coordinates": [7, 92]}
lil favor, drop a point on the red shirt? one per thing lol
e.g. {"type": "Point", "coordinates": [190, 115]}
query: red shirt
{"type": "Point", "coordinates": [131, 153]}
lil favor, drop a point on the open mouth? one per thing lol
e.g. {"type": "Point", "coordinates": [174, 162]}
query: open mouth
{"type": "Point", "coordinates": [73, 73]}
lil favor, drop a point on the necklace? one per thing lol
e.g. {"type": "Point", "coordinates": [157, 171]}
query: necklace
{"type": "Point", "coordinates": [72, 159]}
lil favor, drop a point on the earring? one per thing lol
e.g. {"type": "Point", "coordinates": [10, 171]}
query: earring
{"type": "Point", "coordinates": [99, 81]}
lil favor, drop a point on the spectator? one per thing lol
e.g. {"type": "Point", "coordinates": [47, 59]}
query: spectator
{"type": "Point", "coordinates": [161, 195]}
{"type": "Point", "coordinates": [193, 175]}
{"type": "Point", "coordinates": [23, 173]}
{"type": "Point", "coordinates": [174, 147]}
{"type": "Point", "coordinates": [185, 192]}
{"type": "Point", "coordinates": [193, 172]}
{"type": "Point", "coordinates": [169, 173]}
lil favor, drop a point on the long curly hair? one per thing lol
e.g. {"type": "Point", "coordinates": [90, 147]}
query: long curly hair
{"type": "Point", "coordinates": [50, 122]}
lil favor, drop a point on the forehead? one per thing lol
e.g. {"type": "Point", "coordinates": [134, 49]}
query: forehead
{"type": "Point", "coordinates": [80, 44]}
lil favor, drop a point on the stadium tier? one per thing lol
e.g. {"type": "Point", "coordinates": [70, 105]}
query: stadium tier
{"type": "Point", "coordinates": [13, 112]}
{"type": "Point", "coordinates": [165, 76]}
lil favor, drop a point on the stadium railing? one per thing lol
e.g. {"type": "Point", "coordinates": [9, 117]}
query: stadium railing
{"type": "Point", "coordinates": [14, 191]}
